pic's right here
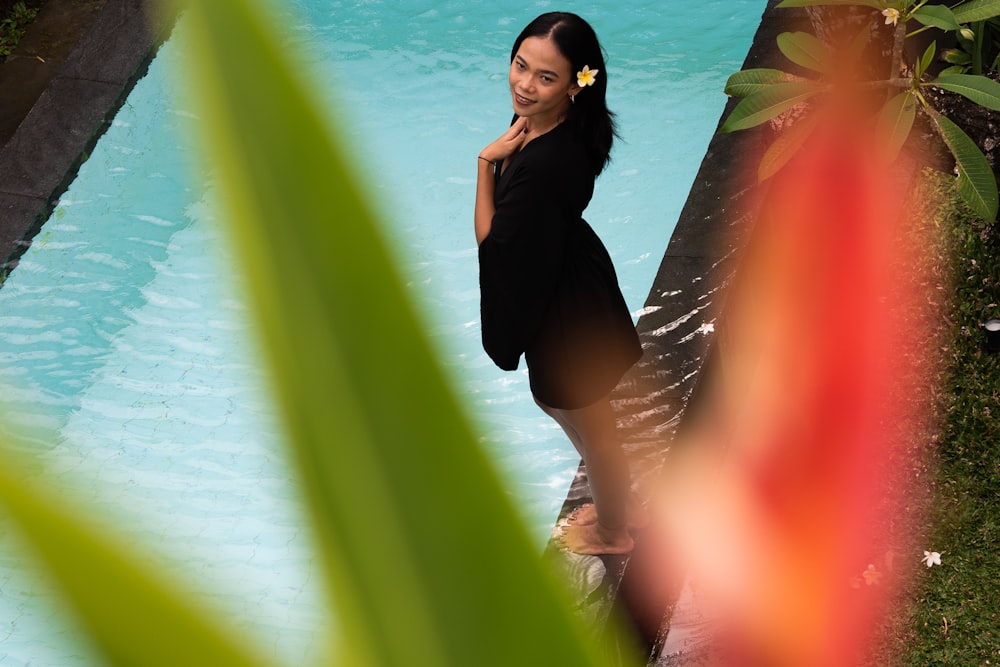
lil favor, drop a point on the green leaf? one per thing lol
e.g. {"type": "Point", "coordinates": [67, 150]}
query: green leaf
{"type": "Point", "coordinates": [130, 613]}
{"type": "Point", "coordinates": [855, 49]}
{"type": "Point", "coordinates": [976, 182]}
{"type": "Point", "coordinates": [874, 4]}
{"type": "Point", "coordinates": [785, 146]}
{"type": "Point", "coordinates": [895, 122]}
{"type": "Point", "coordinates": [749, 81]}
{"type": "Point", "coordinates": [956, 57]}
{"type": "Point", "coordinates": [925, 60]}
{"type": "Point", "coordinates": [955, 69]}
{"type": "Point", "coordinates": [937, 16]}
{"type": "Point", "coordinates": [979, 89]}
{"type": "Point", "coordinates": [427, 559]}
{"type": "Point", "coordinates": [804, 49]}
{"type": "Point", "coordinates": [765, 104]}
{"type": "Point", "coordinates": [977, 10]}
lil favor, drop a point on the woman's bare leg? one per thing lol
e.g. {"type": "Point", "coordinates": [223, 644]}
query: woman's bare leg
{"type": "Point", "coordinates": [567, 427]}
{"type": "Point", "coordinates": [594, 433]}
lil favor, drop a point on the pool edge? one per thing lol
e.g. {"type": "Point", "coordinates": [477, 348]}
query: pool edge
{"type": "Point", "coordinates": [77, 102]}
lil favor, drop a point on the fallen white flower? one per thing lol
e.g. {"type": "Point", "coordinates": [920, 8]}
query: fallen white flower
{"type": "Point", "coordinates": [932, 558]}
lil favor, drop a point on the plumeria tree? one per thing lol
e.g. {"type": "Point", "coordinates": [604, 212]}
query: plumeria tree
{"type": "Point", "coordinates": [900, 89]}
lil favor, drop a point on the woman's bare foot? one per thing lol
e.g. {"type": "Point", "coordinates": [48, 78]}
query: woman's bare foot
{"type": "Point", "coordinates": [594, 539]}
{"type": "Point", "coordinates": [635, 514]}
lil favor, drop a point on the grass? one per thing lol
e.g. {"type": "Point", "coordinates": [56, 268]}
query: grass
{"type": "Point", "coordinates": [955, 619]}
{"type": "Point", "coordinates": [950, 614]}
{"type": "Point", "coordinates": [15, 20]}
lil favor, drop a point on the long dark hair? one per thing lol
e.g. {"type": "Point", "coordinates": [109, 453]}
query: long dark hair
{"type": "Point", "coordinates": [589, 115]}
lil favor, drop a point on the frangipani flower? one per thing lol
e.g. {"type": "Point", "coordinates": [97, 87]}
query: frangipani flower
{"type": "Point", "coordinates": [586, 76]}
{"type": "Point", "coordinates": [891, 15]}
{"type": "Point", "coordinates": [932, 558]}
{"type": "Point", "coordinates": [871, 575]}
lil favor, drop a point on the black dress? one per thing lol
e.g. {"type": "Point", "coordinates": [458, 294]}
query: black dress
{"type": "Point", "coordinates": [548, 289]}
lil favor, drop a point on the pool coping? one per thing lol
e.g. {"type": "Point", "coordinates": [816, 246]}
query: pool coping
{"type": "Point", "coordinates": [67, 78]}
{"type": "Point", "coordinates": [78, 90]}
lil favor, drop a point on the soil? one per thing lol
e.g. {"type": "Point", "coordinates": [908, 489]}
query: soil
{"type": "Point", "coordinates": [980, 123]}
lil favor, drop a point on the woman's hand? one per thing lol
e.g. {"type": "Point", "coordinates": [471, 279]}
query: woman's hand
{"type": "Point", "coordinates": [501, 149]}
{"type": "Point", "coordinates": [508, 143]}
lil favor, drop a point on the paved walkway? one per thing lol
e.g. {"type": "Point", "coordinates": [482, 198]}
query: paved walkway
{"type": "Point", "coordinates": [61, 88]}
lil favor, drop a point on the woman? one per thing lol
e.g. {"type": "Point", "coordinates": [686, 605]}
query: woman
{"type": "Point", "coordinates": [548, 287]}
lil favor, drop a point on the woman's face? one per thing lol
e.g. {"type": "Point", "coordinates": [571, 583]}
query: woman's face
{"type": "Point", "coordinates": [541, 80]}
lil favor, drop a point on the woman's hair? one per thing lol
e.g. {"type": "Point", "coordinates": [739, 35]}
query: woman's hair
{"type": "Point", "coordinates": [589, 115]}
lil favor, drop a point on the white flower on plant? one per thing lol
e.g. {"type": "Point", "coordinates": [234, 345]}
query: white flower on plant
{"type": "Point", "coordinates": [931, 558]}
{"type": "Point", "coordinates": [967, 33]}
{"type": "Point", "coordinates": [891, 15]}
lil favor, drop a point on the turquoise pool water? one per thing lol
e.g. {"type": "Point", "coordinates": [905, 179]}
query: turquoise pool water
{"type": "Point", "coordinates": [123, 335]}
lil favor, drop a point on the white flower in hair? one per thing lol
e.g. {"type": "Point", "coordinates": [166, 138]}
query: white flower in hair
{"type": "Point", "coordinates": [586, 76]}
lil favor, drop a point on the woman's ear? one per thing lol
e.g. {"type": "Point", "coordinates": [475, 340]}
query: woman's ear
{"type": "Point", "coordinates": [574, 90]}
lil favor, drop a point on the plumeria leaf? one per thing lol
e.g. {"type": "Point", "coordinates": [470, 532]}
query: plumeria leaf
{"type": "Point", "coordinates": [976, 183]}
{"type": "Point", "coordinates": [749, 81]}
{"type": "Point", "coordinates": [765, 104]}
{"type": "Point", "coordinates": [856, 48]}
{"type": "Point", "coordinates": [955, 69]}
{"type": "Point", "coordinates": [979, 89]}
{"type": "Point", "coordinates": [874, 4]}
{"type": "Point", "coordinates": [895, 122]}
{"type": "Point", "coordinates": [956, 57]}
{"type": "Point", "coordinates": [937, 16]}
{"type": "Point", "coordinates": [977, 10]}
{"type": "Point", "coordinates": [785, 146]}
{"type": "Point", "coordinates": [925, 60]}
{"type": "Point", "coordinates": [804, 49]}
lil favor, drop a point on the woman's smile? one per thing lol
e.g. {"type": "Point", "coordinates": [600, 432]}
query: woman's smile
{"type": "Point", "coordinates": [522, 101]}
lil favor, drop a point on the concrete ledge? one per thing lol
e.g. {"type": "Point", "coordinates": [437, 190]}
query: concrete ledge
{"type": "Point", "coordinates": [59, 125]}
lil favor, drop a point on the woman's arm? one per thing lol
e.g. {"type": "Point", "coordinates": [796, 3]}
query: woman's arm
{"type": "Point", "coordinates": [505, 146]}
{"type": "Point", "coordinates": [485, 187]}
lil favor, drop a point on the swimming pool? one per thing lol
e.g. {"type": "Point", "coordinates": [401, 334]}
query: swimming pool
{"type": "Point", "coordinates": [122, 331]}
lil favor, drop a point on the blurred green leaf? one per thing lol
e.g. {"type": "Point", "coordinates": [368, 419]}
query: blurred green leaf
{"type": "Point", "coordinates": [976, 182]}
{"type": "Point", "coordinates": [977, 10]}
{"type": "Point", "coordinates": [765, 104]}
{"type": "Point", "coordinates": [428, 563]}
{"type": "Point", "coordinates": [979, 89]}
{"type": "Point", "coordinates": [937, 16]}
{"type": "Point", "coordinates": [130, 613]}
{"type": "Point", "coordinates": [749, 81]}
{"type": "Point", "coordinates": [895, 122]}
{"type": "Point", "coordinates": [804, 49]}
